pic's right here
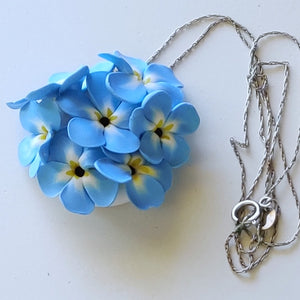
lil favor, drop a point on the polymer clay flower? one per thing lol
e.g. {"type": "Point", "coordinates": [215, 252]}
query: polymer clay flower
{"type": "Point", "coordinates": [135, 79]}
{"type": "Point", "coordinates": [70, 173]}
{"type": "Point", "coordinates": [146, 184]}
{"type": "Point", "coordinates": [59, 85]}
{"type": "Point", "coordinates": [160, 128]}
{"type": "Point", "coordinates": [42, 120]}
{"type": "Point", "coordinates": [101, 119]}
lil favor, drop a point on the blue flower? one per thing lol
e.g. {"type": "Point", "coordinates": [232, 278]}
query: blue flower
{"type": "Point", "coordinates": [135, 79]}
{"type": "Point", "coordinates": [70, 173]}
{"type": "Point", "coordinates": [101, 119]}
{"type": "Point", "coordinates": [42, 120]}
{"type": "Point", "coordinates": [146, 184]}
{"type": "Point", "coordinates": [59, 86]}
{"type": "Point", "coordinates": [160, 128]}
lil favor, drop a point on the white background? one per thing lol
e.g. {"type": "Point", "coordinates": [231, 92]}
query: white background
{"type": "Point", "coordinates": [176, 251]}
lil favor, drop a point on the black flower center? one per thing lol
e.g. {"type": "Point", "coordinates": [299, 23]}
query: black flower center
{"type": "Point", "coordinates": [159, 132]}
{"type": "Point", "coordinates": [104, 121]}
{"type": "Point", "coordinates": [133, 170]}
{"type": "Point", "coordinates": [79, 172]}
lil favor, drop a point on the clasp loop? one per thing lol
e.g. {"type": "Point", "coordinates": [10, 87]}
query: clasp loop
{"type": "Point", "coordinates": [240, 207]}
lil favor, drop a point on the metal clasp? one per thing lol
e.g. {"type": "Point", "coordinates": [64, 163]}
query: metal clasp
{"type": "Point", "coordinates": [251, 217]}
{"type": "Point", "coordinates": [264, 212]}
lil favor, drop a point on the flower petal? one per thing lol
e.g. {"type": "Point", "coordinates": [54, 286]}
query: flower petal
{"type": "Point", "coordinates": [185, 118]}
{"type": "Point", "coordinates": [75, 198]}
{"type": "Point", "coordinates": [75, 78]}
{"type": "Point", "coordinates": [48, 91]}
{"type": "Point", "coordinates": [117, 157]}
{"type": "Point", "coordinates": [117, 172]}
{"type": "Point", "coordinates": [136, 64]}
{"type": "Point", "coordinates": [122, 114]}
{"type": "Point", "coordinates": [157, 106]}
{"type": "Point", "coordinates": [86, 133]}
{"type": "Point", "coordinates": [158, 73]}
{"type": "Point", "coordinates": [119, 62]}
{"type": "Point", "coordinates": [163, 174]}
{"type": "Point", "coordinates": [59, 78]}
{"type": "Point", "coordinates": [120, 140]}
{"type": "Point", "coordinates": [145, 192]}
{"type": "Point", "coordinates": [28, 149]}
{"type": "Point", "coordinates": [104, 66]}
{"type": "Point", "coordinates": [34, 115]}
{"type": "Point", "coordinates": [126, 87]}
{"type": "Point", "coordinates": [138, 123]}
{"type": "Point", "coordinates": [62, 149]}
{"type": "Point", "coordinates": [176, 150]}
{"type": "Point", "coordinates": [89, 157]}
{"type": "Point", "coordinates": [174, 92]}
{"type": "Point", "coordinates": [100, 189]}
{"type": "Point", "coordinates": [151, 147]}
{"type": "Point", "coordinates": [34, 166]}
{"type": "Point", "coordinates": [18, 104]}
{"type": "Point", "coordinates": [100, 95]}
{"type": "Point", "coordinates": [52, 178]}
{"type": "Point", "coordinates": [77, 104]}
{"type": "Point", "coordinates": [45, 148]}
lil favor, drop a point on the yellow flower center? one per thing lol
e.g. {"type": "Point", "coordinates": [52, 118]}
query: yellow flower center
{"type": "Point", "coordinates": [137, 75]}
{"type": "Point", "coordinates": [162, 130]}
{"type": "Point", "coordinates": [106, 119]}
{"type": "Point", "coordinates": [138, 168]}
{"type": "Point", "coordinates": [44, 133]}
{"type": "Point", "coordinates": [76, 170]}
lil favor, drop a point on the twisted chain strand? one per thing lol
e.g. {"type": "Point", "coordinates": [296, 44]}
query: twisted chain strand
{"type": "Point", "coordinates": [218, 19]}
{"type": "Point", "coordinates": [251, 254]}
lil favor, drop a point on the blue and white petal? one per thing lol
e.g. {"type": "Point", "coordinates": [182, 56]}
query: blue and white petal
{"type": "Point", "coordinates": [101, 190]}
{"type": "Point", "coordinates": [121, 115]}
{"type": "Point", "coordinates": [163, 174]}
{"type": "Point", "coordinates": [176, 150]}
{"type": "Point", "coordinates": [151, 147]}
{"type": "Point", "coordinates": [161, 73]}
{"type": "Point", "coordinates": [119, 62]}
{"type": "Point", "coordinates": [104, 66]}
{"type": "Point", "coordinates": [136, 64]}
{"type": "Point", "coordinates": [62, 149]}
{"type": "Point", "coordinates": [77, 104]}
{"type": "Point", "coordinates": [59, 78]}
{"type": "Point", "coordinates": [75, 198]}
{"type": "Point", "coordinates": [174, 92]}
{"type": "Point", "coordinates": [185, 119]}
{"type": "Point", "coordinates": [117, 172]}
{"type": "Point", "coordinates": [145, 192]}
{"type": "Point", "coordinates": [74, 79]}
{"type": "Point", "coordinates": [138, 123]}
{"type": "Point", "coordinates": [120, 140]}
{"type": "Point", "coordinates": [121, 158]}
{"type": "Point", "coordinates": [126, 87]}
{"type": "Point", "coordinates": [28, 149]}
{"type": "Point", "coordinates": [52, 178]}
{"type": "Point", "coordinates": [90, 156]}
{"type": "Point", "coordinates": [18, 104]}
{"type": "Point", "coordinates": [100, 95]}
{"type": "Point", "coordinates": [157, 106]}
{"type": "Point", "coordinates": [34, 115]}
{"type": "Point", "coordinates": [48, 91]}
{"type": "Point", "coordinates": [34, 166]}
{"type": "Point", "coordinates": [86, 133]}
{"type": "Point", "coordinates": [45, 148]}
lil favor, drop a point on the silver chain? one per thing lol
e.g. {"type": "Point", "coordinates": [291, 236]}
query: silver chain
{"type": "Point", "coordinates": [256, 222]}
